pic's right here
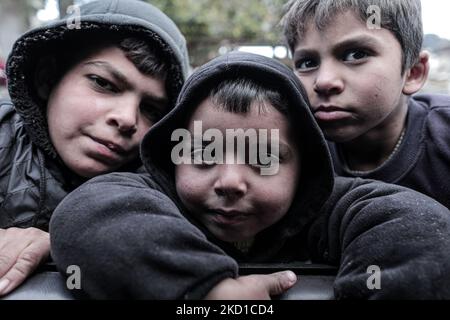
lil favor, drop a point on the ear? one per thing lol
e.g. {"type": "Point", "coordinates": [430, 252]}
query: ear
{"type": "Point", "coordinates": [44, 76]}
{"type": "Point", "coordinates": [417, 75]}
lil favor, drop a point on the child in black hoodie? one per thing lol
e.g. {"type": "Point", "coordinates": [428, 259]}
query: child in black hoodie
{"type": "Point", "coordinates": [180, 230]}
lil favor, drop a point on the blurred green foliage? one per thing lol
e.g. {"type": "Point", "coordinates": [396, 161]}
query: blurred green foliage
{"type": "Point", "coordinates": [210, 24]}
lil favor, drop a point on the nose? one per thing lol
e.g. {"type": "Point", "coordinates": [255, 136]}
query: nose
{"type": "Point", "coordinates": [230, 182]}
{"type": "Point", "coordinates": [328, 81]}
{"type": "Point", "coordinates": [124, 115]}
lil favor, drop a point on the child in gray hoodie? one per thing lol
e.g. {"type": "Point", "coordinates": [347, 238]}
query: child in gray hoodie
{"type": "Point", "coordinates": [84, 90]}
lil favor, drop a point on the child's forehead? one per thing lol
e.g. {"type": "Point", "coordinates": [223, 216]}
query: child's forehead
{"type": "Point", "coordinates": [258, 116]}
{"type": "Point", "coordinates": [343, 27]}
{"type": "Point", "coordinates": [256, 109]}
{"type": "Point", "coordinates": [338, 19]}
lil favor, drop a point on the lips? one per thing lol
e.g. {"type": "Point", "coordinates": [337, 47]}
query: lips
{"type": "Point", "coordinates": [331, 113]}
{"type": "Point", "coordinates": [228, 217]}
{"type": "Point", "coordinates": [111, 145]}
{"type": "Point", "coordinates": [108, 152]}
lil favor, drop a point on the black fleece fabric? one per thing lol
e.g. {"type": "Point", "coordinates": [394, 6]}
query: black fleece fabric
{"type": "Point", "coordinates": [422, 161]}
{"type": "Point", "coordinates": [33, 179]}
{"type": "Point", "coordinates": [132, 237]}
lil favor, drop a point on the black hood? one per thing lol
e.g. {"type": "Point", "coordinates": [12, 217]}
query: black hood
{"type": "Point", "coordinates": [122, 17]}
{"type": "Point", "coordinates": [317, 177]}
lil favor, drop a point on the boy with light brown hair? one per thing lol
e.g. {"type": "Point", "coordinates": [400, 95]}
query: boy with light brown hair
{"type": "Point", "coordinates": [361, 62]}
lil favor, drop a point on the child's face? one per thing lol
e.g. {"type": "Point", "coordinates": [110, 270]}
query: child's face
{"type": "Point", "coordinates": [352, 75]}
{"type": "Point", "coordinates": [234, 201]}
{"type": "Point", "coordinates": [100, 110]}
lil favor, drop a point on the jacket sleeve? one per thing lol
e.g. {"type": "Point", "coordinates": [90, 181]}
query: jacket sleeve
{"type": "Point", "coordinates": [131, 241]}
{"type": "Point", "coordinates": [400, 233]}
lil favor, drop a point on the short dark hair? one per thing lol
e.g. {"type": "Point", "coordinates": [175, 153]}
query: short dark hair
{"type": "Point", "coordinates": [237, 96]}
{"type": "Point", "coordinates": [146, 59]}
{"type": "Point", "coordinates": [140, 52]}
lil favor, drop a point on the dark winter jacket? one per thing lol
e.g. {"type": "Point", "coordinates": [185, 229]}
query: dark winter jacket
{"type": "Point", "coordinates": [422, 162]}
{"type": "Point", "coordinates": [33, 180]}
{"type": "Point", "coordinates": [31, 185]}
{"type": "Point", "coordinates": [132, 237]}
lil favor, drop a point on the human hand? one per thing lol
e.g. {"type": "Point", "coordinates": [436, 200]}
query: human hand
{"type": "Point", "coordinates": [21, 252]}
{"type": "Point", "coordinates": [253, 287]}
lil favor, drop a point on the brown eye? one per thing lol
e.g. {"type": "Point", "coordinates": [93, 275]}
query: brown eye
{"type": "Point", "coordinates": [197, 157]}
{"type": "Point", "coordinates": [355, 55]}
{"type": "Point", "coordinates": [271, 157]}
{"type": "Point", "coordinates": [305, 64]}
{"type": "Point", "coordinates": [103, 84]}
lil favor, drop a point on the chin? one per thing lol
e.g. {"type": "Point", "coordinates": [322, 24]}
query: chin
{"type": "Point", "coordinates": [91, 171]}
{"type": "Point", "coordinates": [339, 135]}
{"type": "Point", "coordinates": [234, 238]}
{"type": "Point", "coordinates": [226, 237]}
{"type": "Point", "coordinates": [337, 139]}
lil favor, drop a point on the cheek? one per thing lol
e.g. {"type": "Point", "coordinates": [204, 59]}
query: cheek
{"type": "Point", "coordinates": [279, 194]}
{"type": "Point", "coordinates": [379, 89]}
{"type": "Point", "coordinates": [59, 119]}
{"type": "Point", "coordinates": [69, 110]}
{"type": "Point", "coordinates": [371, 97]}
{"type": "Point", "coordinates": [139, 135]}
{"type": "Point", "coordinates": [190, 185]}
{"type": "Point", "coordinates": [274, 206]}
{"type": "Point", "coordinates": [308, 84]}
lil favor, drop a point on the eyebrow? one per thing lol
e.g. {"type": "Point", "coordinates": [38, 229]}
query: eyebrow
{"type": "Point", "coordinates": [358, 41]}
{"type": "Point", "coordinates": [283, 147]}
{"type": "Point", "coordinates": [120, 77]}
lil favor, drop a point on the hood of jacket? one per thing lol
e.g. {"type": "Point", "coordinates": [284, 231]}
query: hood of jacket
{"type": "Point", "coordinates": [127, 17]}
{"type": "Point", "coordinates": [317, 177]}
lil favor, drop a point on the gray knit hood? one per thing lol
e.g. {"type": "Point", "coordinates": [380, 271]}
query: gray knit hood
{"type": "Point", "coordinates": [317, 176]}
{"type": "Point", "coordinates": [123, 17]}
